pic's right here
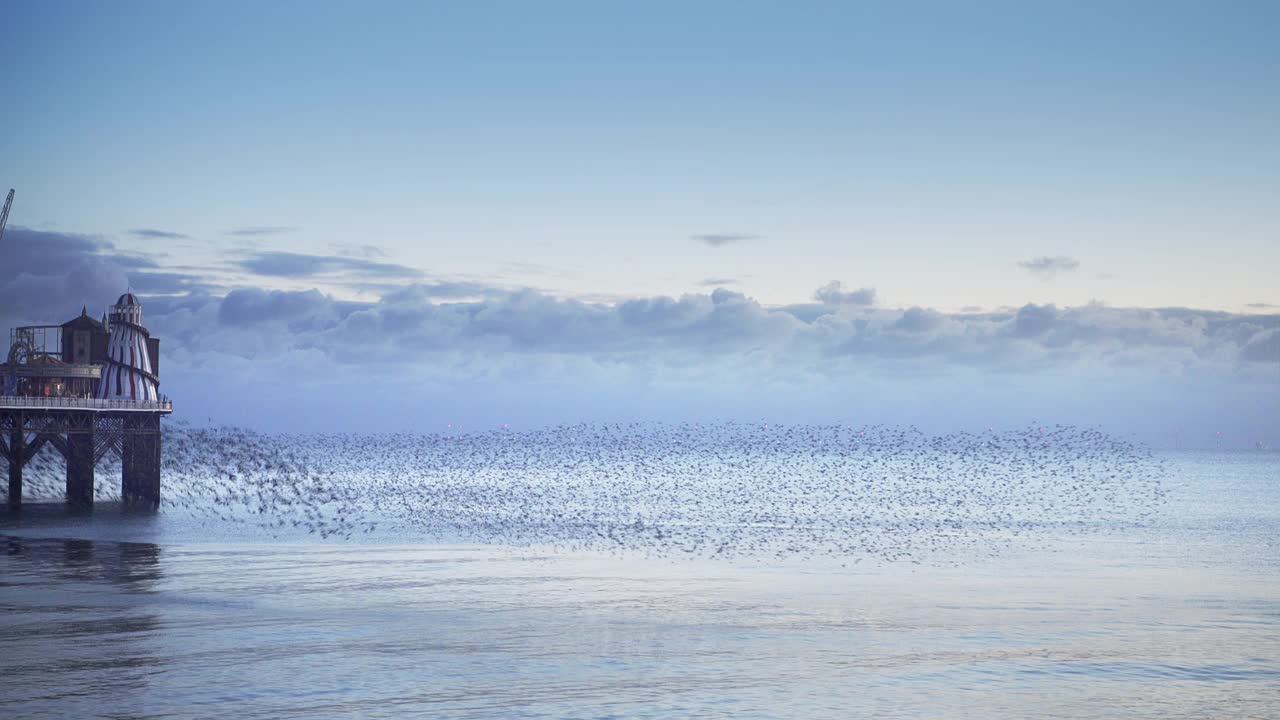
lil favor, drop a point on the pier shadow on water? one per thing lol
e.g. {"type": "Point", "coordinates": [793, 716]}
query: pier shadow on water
{"type": "Point", "coordinates": [76, 624]}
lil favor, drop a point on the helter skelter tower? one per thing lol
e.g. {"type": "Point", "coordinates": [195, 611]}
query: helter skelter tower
{"type": "Point", "coordinates": [128, 374]}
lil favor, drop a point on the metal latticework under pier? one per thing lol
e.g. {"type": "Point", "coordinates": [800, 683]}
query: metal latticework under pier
{"type": "Point", "coordinates": [84, 436]}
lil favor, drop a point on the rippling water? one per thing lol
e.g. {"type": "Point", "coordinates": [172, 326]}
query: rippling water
{"type": "Point", "coordinates": [172, 616]}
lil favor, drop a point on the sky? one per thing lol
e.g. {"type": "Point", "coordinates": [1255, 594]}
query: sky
{"type": "Point", "coordinates": [934, 212]}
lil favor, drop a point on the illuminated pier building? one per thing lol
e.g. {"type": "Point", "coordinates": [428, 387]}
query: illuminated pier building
{"type": "Point", "coordinates": [87, 387]}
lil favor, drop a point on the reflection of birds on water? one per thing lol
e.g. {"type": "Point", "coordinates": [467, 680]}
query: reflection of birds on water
{"type": "Point", "coordinates": [715, 490]}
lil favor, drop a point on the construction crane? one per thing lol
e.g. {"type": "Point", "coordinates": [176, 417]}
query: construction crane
{"type": "Point", "coordinates": [4, 216]}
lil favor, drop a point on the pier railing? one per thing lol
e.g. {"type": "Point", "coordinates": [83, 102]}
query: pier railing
{"type": "Point", "coordinates": [15, 402]}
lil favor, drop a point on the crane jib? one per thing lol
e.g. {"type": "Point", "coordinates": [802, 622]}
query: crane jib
{"type": "Point", "coordinates": [4, 216]}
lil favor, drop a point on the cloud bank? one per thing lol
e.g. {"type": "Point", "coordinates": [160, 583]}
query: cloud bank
{"type": "Point", "coordinates": [428, 349]}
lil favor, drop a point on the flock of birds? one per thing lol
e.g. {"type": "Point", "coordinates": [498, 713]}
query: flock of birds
{"type": "Point", "coordinates": [723, 490]}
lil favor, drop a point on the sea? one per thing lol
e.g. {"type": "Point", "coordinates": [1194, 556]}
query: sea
{"type": "Point", "coordinates": [118, 614]}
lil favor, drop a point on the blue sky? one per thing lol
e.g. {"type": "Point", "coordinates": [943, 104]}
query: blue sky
{"type": "Point", "coordinates": [959, 157]}
{"type": "Point", "coordinates": [924, 148]}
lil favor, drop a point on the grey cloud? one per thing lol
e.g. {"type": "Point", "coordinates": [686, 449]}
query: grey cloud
{"type": "Point", "coordinates": [833, 293]}
{"type": "Point", "coordinates": [298, 265]}
{"type": "Point", "coordinates": [134, 262]}
{"type": "Point", "coordinates": [440, 290]}
{"type": "Point", "coordinates": [363, 275]}
{"type": "Point", "coordinates": [262, 230]}
{"type": "Point", "coordinates": [39, 252]}
{"type": "Point", "coordinates": [158, 234]}
{"type": "Point", "coordinates": [721, 239]}
{"type": "Point", "coordinates": [1048, 267]}
{"type": "Point", "coordinates": [1034, 320]}
{"type": "Point", "coordinates": [721, 319]}
{"type": "Point", "coordinates": [46, 272]}
{"type": "Point", "coordinates": [918, 320]}
{"type": "Point", "coordinates": [90, 281]}
{"type": "Point", "coordinates": [166, 283]}
{"type": "Point", "coordinates": [716, 282]}
{"type": "Point", "coordinates": [301, 310]}
{"type": "Point", "coordinates": [360, 251]}
{"type": "Point", "coordinates": [808, 312]}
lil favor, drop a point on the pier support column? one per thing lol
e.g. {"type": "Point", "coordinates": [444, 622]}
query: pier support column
{"type": "Point", "coordinates": [140, 460]}
{"type": "Point", "coordinates": [17, 449]}
{"type": "Point", "coordinates": [80, 468]}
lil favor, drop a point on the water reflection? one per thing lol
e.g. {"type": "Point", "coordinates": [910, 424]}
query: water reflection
{"type": "Point", "coordinates": [134, 566]}
{"type": "Point", "coordinates": [76, 626]}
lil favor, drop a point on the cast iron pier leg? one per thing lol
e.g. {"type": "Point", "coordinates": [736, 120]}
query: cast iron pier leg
{"type": "Point", "coordinates": [17, 448]}
{"type": "Point", "coordinates": [140, 460]}
{"type": "Point", "coordinates": [80, 468]}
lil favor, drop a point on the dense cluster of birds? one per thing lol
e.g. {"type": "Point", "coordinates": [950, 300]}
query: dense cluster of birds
{"type": "Point", "coordinates": [728, 489]}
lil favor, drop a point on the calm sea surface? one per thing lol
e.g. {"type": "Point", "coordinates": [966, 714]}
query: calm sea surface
{"type": "Point", "coordinates": [120, 616]}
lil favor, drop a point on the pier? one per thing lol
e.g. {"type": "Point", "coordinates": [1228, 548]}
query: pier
{"type": "Point", "coordinates": [86, 388]}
